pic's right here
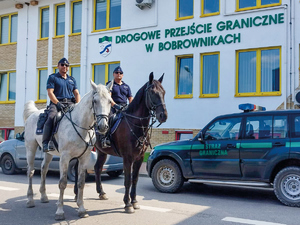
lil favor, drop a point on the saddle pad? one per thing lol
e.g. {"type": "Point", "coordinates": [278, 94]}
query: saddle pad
{"type": "Point", "coordinates": [116, 124]}
{"type": "Point", "coordinates": [41, 122]}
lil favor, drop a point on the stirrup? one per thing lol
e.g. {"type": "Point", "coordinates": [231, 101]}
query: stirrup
{"type": "Point", "coordinates": [105, 143]}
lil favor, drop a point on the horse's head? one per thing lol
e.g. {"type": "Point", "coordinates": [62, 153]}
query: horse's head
{"type": "Point", "coordinates": [155, 98]}
{"type": "Point", "coordinates": [101, 105]}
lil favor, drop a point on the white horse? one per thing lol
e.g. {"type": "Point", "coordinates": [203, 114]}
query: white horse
{"type": "Point", "coordinates": [73, 138]}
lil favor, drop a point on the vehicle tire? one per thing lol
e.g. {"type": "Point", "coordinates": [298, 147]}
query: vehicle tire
{"type": "Point", "coordinates": [167, 176]}
{"type": "Point", "coordinates": [8, 165]}
{"type": "Point", "coordinates": [116, 173]}
{"type": "Point", "coordinates": [287, 186]}
{"type": "Point", "coordinates": [71, 171]}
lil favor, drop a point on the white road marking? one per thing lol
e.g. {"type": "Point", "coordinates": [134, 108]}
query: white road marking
{"type": "Point", "coordinates": [246, 221]}
{"type": "Point", "coordinates": [65, 196]}
{"type": "Point", "coordinates": [8, 189]}
{"type": "Point", "coordinates": [156, 209]}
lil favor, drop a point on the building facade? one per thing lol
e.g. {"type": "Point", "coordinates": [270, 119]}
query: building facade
{"type": "Point", "coordinates": [215, 54]}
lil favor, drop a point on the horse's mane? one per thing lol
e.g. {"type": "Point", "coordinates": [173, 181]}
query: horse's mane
{"type": "Point", "coordinates": [137, 99]}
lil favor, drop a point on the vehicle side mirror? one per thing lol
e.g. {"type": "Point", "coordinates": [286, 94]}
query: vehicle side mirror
{"type": "Point", "coordinates": [200, 137]}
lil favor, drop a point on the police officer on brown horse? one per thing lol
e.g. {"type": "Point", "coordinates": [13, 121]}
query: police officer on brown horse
{"type": "Point", "coordinates": [120, 93]}
{"type": "Point", "coordinates": [63, 93]}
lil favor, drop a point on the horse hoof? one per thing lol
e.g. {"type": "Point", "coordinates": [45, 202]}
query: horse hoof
{"type": "Point", "coordinates": [136, 205]}
{"type": "Point", "coordinates": [83, 214]}
{"type": "Point", "coordinates": [59, 216]}
{"type": "Point", "coordinates": [45, 200]}
{"type": "Point", "coordinates": [30, 204]}
{"type": "Point", "coordinates": [103, 197]}
{"type": "Point", "coordinates": [129, 209]}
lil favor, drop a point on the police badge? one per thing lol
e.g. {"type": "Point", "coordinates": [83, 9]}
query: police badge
{"type": "Point", "coordinates": [105, 45]}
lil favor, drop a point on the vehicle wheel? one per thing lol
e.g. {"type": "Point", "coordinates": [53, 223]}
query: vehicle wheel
{"type": "Point", "coordinates": [8, 165]}
{"type": "Point", "coordinates": [166, 176]}
{"type": "Point", "coordinates": [287, 186]}
{"type": "Point", "coordinates": [115, 173]}
{"type": "Point", "coordinates": [71, 171]}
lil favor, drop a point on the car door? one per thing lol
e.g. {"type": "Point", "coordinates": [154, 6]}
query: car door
{"type": "Point", "coordinates": [264, 136]}
{"type": "Point", "coordinates": [217, 155]}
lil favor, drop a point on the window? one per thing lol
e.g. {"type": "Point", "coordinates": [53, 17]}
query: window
{"type": "Point", "coordinates": [107, 15]}
{"type": "Point", "coordinates": [44, 22]}
{"type": "Point", "coordinates": [224, 129]}
{"type": "Point", "coordinates": [185, 9]}
{"type": "Point", "coordinates": [210, 75]}
{"type": "Point", "coordinates": [259, 127]}
{"type": "Point", "coordinates": [254, 4]}
{"type": "Point", "coordinates": [59, 20]}
{"type": "Point", "coordinates": [183, 135]}
{"type": "Point", "coordinates": [280, 129]}
{"type": "Point", "coordinates": [42, 84]}
{"type": "Point", "coordinates": [75, 72]}
{"type": "Point", "coordinates": [103, 72]}
{"type": "Point", "coordinates": [76, 15]}
{"type": "Point", "coordinates": [296, 127]}
{"type": "Point", "coordinates": [6, 134]}
{"type": "Point", "coordinates": [9, 29]}
{"type": "Point", "coordinates": [8, 87]}
{"type": "Point", "coordinates": [258, 72]}
{"type": "Point", "coordinates": [184, 76]}
{"type": "Point", "coordinates": [210, 7]}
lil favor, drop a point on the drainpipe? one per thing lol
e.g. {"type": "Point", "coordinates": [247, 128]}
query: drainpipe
{"type": "Point", "coordinates": [292, 50]}
{"type": "Point", "coordinates": [26, 52]}
{"type": "Point", "coordinates": [85, 47]}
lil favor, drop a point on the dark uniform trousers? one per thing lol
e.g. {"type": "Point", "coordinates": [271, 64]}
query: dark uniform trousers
{"type": "Point", "coordinates": [48, 127]}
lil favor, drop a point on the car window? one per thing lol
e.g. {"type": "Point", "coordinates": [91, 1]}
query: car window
{"type": "Point", "coordinates": [296, 130]}
{"type": "Point", "coordinates": [224, 129]}
{"type": "Point", "coordinates": [258, 127]}
{"type": "Point", "coordinates": [2, 135]}
{"type": "Point", "coordinates": [280, 129]}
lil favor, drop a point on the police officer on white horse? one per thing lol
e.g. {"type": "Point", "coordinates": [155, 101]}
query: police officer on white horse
{"type": "Point", "coordinates": [63, 92]}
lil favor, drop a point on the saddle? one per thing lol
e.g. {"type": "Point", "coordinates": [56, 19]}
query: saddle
{"type": "Point", "coordinates": [42, 120]}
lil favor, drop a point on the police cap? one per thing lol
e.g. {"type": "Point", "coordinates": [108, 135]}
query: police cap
{"type": "Point", "coordinates": [63, 61]}
{"type": "Point", "coordinates": [118, 69]}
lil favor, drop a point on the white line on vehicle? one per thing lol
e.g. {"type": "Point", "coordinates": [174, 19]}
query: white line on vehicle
{"type": "Point", "coordinates": [246, 221]}
{"type": "Point", "coordinates": [8, 189]}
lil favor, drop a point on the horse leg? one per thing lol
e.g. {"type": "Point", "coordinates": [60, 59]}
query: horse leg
{"type": "Point", "coordinates": [30, 155]}
{"type": "Point", "coordinates": [83, 161]}
{"type": "Point", "coordinates": [76, 180]}
{"type": "Point", "coordinates": [135, 177]}
{"type": "Point", "coordinates": [101, 158]}
{"type": "Point", "coordinates": [127, 184]}
{"type": "Point", "coordinates": [63, 165]}
{"type": "Point", "coordinates": [44, 170]}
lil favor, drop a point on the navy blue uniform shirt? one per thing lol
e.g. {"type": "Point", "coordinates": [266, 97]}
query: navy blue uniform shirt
{"type": "Point", "coordinates": [120, 93]}
{"type": "Point", "coordinates": [63, 88]}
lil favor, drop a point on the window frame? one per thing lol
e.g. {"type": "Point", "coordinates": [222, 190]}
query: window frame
{"type": "Point", "coordinates": [186, 17]}
{"type": "Point", "coordinates": [106, 69]}
{"type": "Point", "coordinates": [41, 16]}
{"type": "Point", "coordinates": [38, 87]}
{"type": "Point", "coordinates": [9, 28]}
{"type": "Point", "coordinates": [258, 5]}
{"type": "Point", "coordinates": [71, 20]}
{"type": "Point", "coordinates": [209, 14]}
{"type": "Point", "coordinates": [70, 73]}
{"type": "Point", "coordinates": [201, 76]}
{"type": "Point", "coordinates": [179, 57]}
{"type": "Point", "coordinates": [7, 101]}
{"type": "Point", "coordinates": [107, 17]}
{"type": "Point", "coordinates": [55, 21]}
{"type": "Point", "coordinates": [6, 134]}
{"type": "Point", "coordinates": [257, 93]}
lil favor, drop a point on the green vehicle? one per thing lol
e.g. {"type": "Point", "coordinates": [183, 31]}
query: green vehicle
{"type": "Point", "coordinates": [256, 148]}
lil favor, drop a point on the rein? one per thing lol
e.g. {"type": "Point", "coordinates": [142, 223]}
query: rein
{"type": "Point", "coordinates": [96, 118]}
{"type": "Point", "coordinates": [151, 108]}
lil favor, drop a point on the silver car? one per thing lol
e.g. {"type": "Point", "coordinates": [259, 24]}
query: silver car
{"type": "Point", "coordinates": [13, 159]}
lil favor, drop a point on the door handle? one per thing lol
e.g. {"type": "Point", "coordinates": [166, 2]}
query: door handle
{"type": "Point", "coordinates": [278, 144]}
{"type": "Point", "coordinates": [230, 146]}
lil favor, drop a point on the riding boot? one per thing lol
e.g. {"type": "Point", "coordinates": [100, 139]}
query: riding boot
{"type": "Point", "coordinates": [48, 129]}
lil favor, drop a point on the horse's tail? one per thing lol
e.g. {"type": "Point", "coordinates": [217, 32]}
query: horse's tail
{"type": "Point", "coordinates": [29, 108]}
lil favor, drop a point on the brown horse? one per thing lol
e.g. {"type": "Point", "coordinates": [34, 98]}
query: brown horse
{"type": "Point", "coordinates": [131, 138]}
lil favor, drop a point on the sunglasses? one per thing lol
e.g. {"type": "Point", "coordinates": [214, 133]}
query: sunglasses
{"type": "Point", "coordinates": [119, 72]}
{"type": "Point", "coordinates": [62, 64]}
